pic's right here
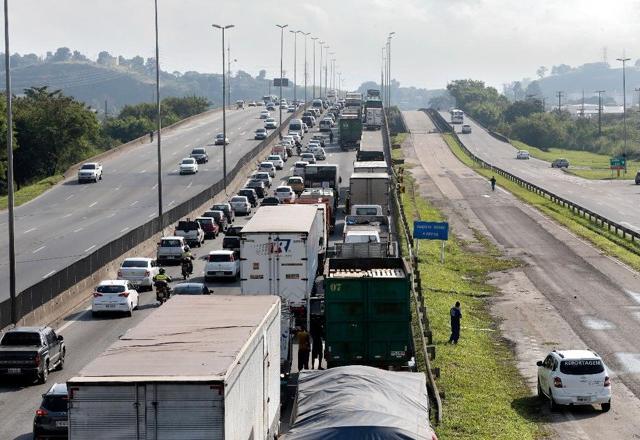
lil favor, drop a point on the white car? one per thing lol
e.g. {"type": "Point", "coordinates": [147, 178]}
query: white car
{"type": "Point", "coordinates": [139, 271]}
{"type": "Point", "coordinates": [220, 139]}
{"type": "Point", "coordinates": [276, 160]}
{"type": "Point", "coordinates": [466, 129]}
{"type": "Point", "coordinates": [240, 204]}
{"type": "Point", "coordinates": [264, 114]}
{"type": "Point", "coordinates": [264, 176]}
{"type": "Point", "coordinates": [314, 145]}
{"type": "Point", "coordinates": [574, 377]}
{"type": "Point", "coordinates": [267, 167]}
{"type": "Point", "coordinates": [295, 135]}
{"type": "Point", "coordinates": [522, 154]}
{"type": "Point", "coordinates": [291, 109]}
{"type": "Point", "coordinates": [114, 296]}
{"type": "Point", "coordinates": [285, 194]}
{"type": "Point", "coordinates": [188, 166]}
{"type": "Point", "coordinates": [290, 139]}
{"type": "Point", "coordinates": [308, 157]}
{"type": "Point", "coordinates": [90, 172]}
{"type": "Point", "coordinates": [222, 264]}
{"type": "Point", "coordinates": [319, 154]}
{"type": "Point", "coordinates": [270, 124]}
{"type": "Point", "coordinates": [298, 168]}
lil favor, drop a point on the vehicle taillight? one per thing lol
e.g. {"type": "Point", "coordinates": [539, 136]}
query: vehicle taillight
{"type": "Point", "coordinates": [41, 412]}
{"type": "Point", "coordinates": [119, 273]}
{"type": "Point", "coordinates": [96, 294]}
{"type": "Point", "coordinates": [36, 360]}
{"type": "Point", "coordinates": [147, 273]}
{"type": "Point", "coordinates": [557, 382]}
{"type": "Point", "coordinates": [607, 381]}
{"type": "Point", "coordinates": [124, 294]}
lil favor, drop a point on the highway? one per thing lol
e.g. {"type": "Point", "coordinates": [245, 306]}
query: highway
{"type": "Point", "coordinates": [71, 220]}
{"type": "Point", "coordinates": [617, 200]}
{"type": "Point", "coordinates": [567, 295]}
{"type": "Point", "coordinates": [86, 336]}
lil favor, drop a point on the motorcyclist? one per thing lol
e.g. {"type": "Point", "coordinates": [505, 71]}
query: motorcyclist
{"type": "Point", "coordinates": [161, 281]}
{"type": "Point", "coordinates": [187, 259]}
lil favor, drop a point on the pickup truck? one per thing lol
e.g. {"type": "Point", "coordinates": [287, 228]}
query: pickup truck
{"type": "Point", "coordinates": [191, 231]}
{"type": "Point", "coordinates": [170, 249]}
{"type": "Point", "coordinates": [90, 172]}
{"type": "Point", "coordinates": [31, 352]}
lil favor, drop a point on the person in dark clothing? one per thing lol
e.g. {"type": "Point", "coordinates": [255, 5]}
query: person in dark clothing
{"type": "Point", "coordinates": [493, 183]}
{"type": "Point", "coordinates": [304, 347]}
{"type": "Point", "coordinates": [331, 137]}
{"type": "Point", "coordinates": [456, 316]}
{"type": "Point", "coordinates": [316, 338]}
{"type": "Point", "coordinates": [151, 136]}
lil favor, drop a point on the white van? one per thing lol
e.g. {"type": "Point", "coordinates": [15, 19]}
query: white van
{"type": "Point", "coordinates": [296, 125]}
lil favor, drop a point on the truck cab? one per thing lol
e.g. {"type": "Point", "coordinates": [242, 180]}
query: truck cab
{"type": "Point", "coordinates": [366, 210]}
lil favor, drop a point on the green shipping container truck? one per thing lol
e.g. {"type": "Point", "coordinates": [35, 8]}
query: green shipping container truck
{"type": "Point", "coordinates": [350, 130]}
{"type": "Point", "coordinates": [367, 312]}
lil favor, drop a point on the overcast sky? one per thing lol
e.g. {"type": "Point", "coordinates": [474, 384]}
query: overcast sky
{"type": "Point", "coordinates": [436, 40]}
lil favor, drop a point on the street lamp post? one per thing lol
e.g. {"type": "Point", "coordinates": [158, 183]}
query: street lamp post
{"type": "Point", "coordinates": [326, 70]}
{"type": "Point", "coordinates": [391, 34]}
{"type": "Point", "coordinates": [306, 34]}
{"type": "Point", "coordinates": [599, 92]}
{"type": "Point", "coordinates": [281, 26]}
{"type": "Point", "coordinates": [382, 75]}
{"type": "Point", "coordinates": [295, 64]}
{"type": "Point", "coordinates": [320, 69]}
{"type": "Point", "coordinates": [314, 66]}
{"type": "Point", "coordinates": [624, 109]}
{"type": "Point", "coordinates": [339, 85]}
{"type": "Point", "coordinates": [224, 113]}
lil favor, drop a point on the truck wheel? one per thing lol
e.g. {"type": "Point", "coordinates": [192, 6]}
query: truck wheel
{"type": "Point", "coordinates": [42, 377]}
{"type": "Point", "coordinates": [61, 360]}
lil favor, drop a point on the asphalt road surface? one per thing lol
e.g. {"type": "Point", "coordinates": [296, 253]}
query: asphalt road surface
{"type": "Point", "coordinates": [567, 295]}
{"type": "Point", "coordinates": [87, 336]}
{"type": "Point", "coordinates": [71, 220]}
{"type": "Point", "coordinates": [617, 200]}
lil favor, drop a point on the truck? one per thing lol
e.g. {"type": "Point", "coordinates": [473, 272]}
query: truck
{"type": "Point", "coordinates": [378, 224]}
{"type": "Point", "coordinates": [365, 236]}
{"type": "Point", "coordinates": [31, 352]}
{"type": "Point", "coordinates": [322, 176]}
{"type": "Point", "coordinates": [369, 189]}
{"type": "Point", "coordinates": [191, 231]}
{"type": "Point", "coordinates": [279, 248]}
{"type": "Point", "coordinates": [367, 312]}
{"type": "Point", "coordinates": [350, 131]}
{"type": "Point", "coordinates": [90, 172]}
{"type": "Point", "coordinates": [373, 118]}
{"type": "Point", "coordinates": [370, 166]}
{"type": "Point", "coordinates": [200, 366]}
{"type": "Point", "coordinates": [327, 195]}
{"type": "Point", "coordinates": [170, 249]}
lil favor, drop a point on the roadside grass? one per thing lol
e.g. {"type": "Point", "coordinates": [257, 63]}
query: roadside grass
{"type": "Point", "coordinates": [609, 242]}
{"type": "Point", "coordinates": [398, 138]}
{"type": "Point", "coordinates": [582, 163]}
{"type": "Point", "coordinates": [485, 396]}
{"type": "Point", "coordinates": [32, 191]}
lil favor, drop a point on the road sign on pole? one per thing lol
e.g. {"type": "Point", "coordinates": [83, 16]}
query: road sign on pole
{"type": "Point", "coordinates": [617, 163]}
{"type": "Point", "coordinates": [277, 81]}
{"type": "Point", "coordinates": [431, 231]}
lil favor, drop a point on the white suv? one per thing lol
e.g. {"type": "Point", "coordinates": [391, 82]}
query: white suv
{"type": "Point", "coordinates": [222, 264]}
{"type": "Point", "coordinates": [574, 377]}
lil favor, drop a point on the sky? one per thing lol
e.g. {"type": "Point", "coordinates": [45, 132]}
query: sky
{"type": "Point", "coordinates": [436, 41]}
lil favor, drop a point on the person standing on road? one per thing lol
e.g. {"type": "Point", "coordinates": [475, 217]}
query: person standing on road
{"type": "Point", "coordinates": [151, 136]}
{"type": "Point", "coordinates": [493, 183]}
{"type": "Point", "coordinates": [456, 316]}
{"type": "Point", "coordinates": [317, 347]}
{"type": "Point", "coordinates": [331, 137]}
{"type": "Point", "coordinates": [304, 347]}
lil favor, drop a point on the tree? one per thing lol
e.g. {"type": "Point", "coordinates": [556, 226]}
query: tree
{"type": "Point", "coordinates": [261, 75]}
{"type": "Point", "coordinates": [541, 130]}
{"type": "Point", "coordinates": [522, 109]}
{"type": "Point", "coordinates": [561, 69]}
{"type": "Point", "coordinates": [541, 72]}
{"type": "Point", "coordinates": [62, 54]}
{"type": "Point", "coordinates": [77, 56]}
{"type": "Point", "coordinates": [533, 89]}
{"type": "Point", "coordinates": [104, 58]}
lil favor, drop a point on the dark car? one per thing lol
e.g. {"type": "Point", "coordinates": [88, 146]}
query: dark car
{"type": "Point", "coordinates": [200, 155]}
{"type": "Point", "coordinates": [226, 208]}
{"type": "Point", "coordinates": [233, 231]}
{"type": "Point", "coordinates": [560, 163]}
{"type": "Point", "coordinates": [231, 243]}
{"type": "Point", "coordinates": [191, 289]}
{"type": "Point", "coordinates": [638, 178]}
{"type": "Point", "coordinates": [31, 352]}
{"type": "Point", "coordinates": [308, 119]}
{"type": "Point", "coordinates": [258, 186]}
{"type": "Point", "coordinates": [209, 226]}
{"type": "Point", "coordinates": [219, 217]}
{"type": "Point", "coordinates": [250, 194]}
{"type": "Point", "coordinates": [270, 201]}
{"type": "Point", "coordinates": [51, 419]}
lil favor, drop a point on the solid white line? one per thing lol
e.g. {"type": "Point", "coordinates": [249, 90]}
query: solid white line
{"type": "Point", "coordinates": [67, 198]}
{"type": "Point", "coordinates": [67, 324]}
{"type": "Point", "coordinates": [68, 215]}
{"type": "Point", "coordinates": [134, 203]}
{"type": "Point", "coordinates": [30, 230]}
{"type": "Point", "coordinates": [171, 202]}
{"type": "Point", "coordinates": [89, 248]}
{"type": "Point", "coordinates": [190, 183]}
{"type": "Point", "coordinates": [93, 204]}
{"type": "Point", "coordinates": [154, 186]}
{"type": "Point", "coordinates": [125, 229]}
{"type": "Point", "coordinates": [49, 274]}
{"type": "Point", "coordinates": [39, 249]}
{"type": "Point", "coordinates": [78, 230]}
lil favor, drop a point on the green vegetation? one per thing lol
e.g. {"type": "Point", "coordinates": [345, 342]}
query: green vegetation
{"type": "Point", "coordinates": [485, 396]}
{"type": "Point", "coordinates": [609, 242]}
{"type": "Point", "coordinates": [582, 163]}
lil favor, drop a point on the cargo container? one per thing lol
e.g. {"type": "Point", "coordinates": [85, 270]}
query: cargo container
{"type": "Point", "coordinates": [350, 130]}
{"type": "Point", "coordinates": [370, 166]}
{"type": "Point", "coordinates": [199, 367]}
{"type": "Point", "coordinates": [367, 312]}
{"type": "Point", "coordinates": [369, 189]}
{"type": "Point", "coordinates": [322, 176]}
{"type": "Point", "coordinates": [326, 195]}
{"type": "Point", "coordinates": [279, 248]}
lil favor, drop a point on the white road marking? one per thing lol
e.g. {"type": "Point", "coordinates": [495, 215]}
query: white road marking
{"type": "Point", "coordinates": [49, 274]}
{"type": "Point", "coordinates": [171, 202]}
{"type": "Point", "coordinates": [151, 216]}
{"type": "Point", "coordinates": [124, 229]}
{"type": "Point", "coordinates": [154, 186]}
{"type": "Point", "coordinates": [68, 215]}
{"type": "Point", "coordinates": [30, 230]}
{"type": "Point", "coordinates": [89, 248]}
{"type": "Point", "coordinates": [78, 230]}
{"type": "Point", "coordinates": [117, 188]}
{"type": "Point", "coordinates": [190, 183]}
{"type": "Point", "coordinates": [93, 204]}
{"type": "Point", "coordinates": [243, 133]}
{"type": "Point", "coordinates": [70, 196]}
{"type": "Point", "coordinates": [134, 203]}
{"type": "Point", "coordinates": [174, 153]}
{"type": "Point", "coordinates": [39, 249]}
{"type": "Point", "coordinates": [143, 171]}
{"type": "Point", "coordinates": [67, 324]}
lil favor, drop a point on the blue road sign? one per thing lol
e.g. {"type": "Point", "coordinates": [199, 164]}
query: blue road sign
{"type": "Point", "coordinates": [430, 230]}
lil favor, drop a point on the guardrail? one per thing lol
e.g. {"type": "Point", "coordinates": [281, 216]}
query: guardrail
{"type": "Point", "coordinates": [416, 284]}
{"type": "Point", "coordinates": [40, 293]}
{"type": "Point", "coordinates": [597, 219]}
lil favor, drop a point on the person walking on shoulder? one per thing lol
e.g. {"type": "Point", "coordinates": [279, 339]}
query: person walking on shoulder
{"type": "Point", "coordinates": [493, 183]}
{"type": "Point", "coordinates": [304, 348]}
{"type": "Point", "coordinates": [456, 316]}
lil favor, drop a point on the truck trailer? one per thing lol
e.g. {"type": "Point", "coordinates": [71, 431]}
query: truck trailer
{"type": "Point", "coordinates": [350, 130]}
{"type": "Point", "coordinates": [199, 367]}
{"type": "Point", "coordinates": [369, 189]}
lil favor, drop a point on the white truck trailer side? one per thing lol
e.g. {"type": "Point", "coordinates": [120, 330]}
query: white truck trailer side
{"type": "Point", "coordinates": [199, 367]}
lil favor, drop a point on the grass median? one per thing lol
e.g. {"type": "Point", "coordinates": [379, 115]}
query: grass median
{"type": "Point", "coordinates": [30, 192]}
{"type": "Point", "coordinates": [609, 242]}
{"type": "Point", "coordinates": [582, 163]}
{"type": "Point", "coordinates": [485, 396]}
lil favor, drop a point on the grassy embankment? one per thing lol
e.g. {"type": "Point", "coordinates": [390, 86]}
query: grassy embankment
{"type": "Point", "coordinates": [32, 191]}
{"type": "Point", "coordinates": [608, 242]}
{"type": "Point", "coordinates": [582, 163]}
{"type": "Point", "coordinates": [485, 397]}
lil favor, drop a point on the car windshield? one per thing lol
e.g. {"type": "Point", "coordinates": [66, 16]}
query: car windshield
{"type": "Point", "coordinates": [88, 166]}
{"type": "Point", "coordinates": [580, 367]}
{"type": "Point", "coordinates": [245, 192]}
{"type": "Point", "coordinates": [366, 211]}
{"type": "Point", "coordinates": [274, 158]}
{"type": "Point", "coordinates": [55, 403]}
{"type": "Point", "coordinates": [283, 190]}
{"type": "Point", "coordinates": [220, 135]}
{"type": "Point", "coordinates": [21, 338]}
{"type": "Point", "coordinates": [219, 207]}
{"type": "Point", "coordinates": [219, 258]}
{"type": "Point", "coordinates": [238, 200]}
{"type": "Point", "coordinates": [261, 130]}
{"type": "Point", "coordinates": [171, 243]}
{"type": "Point", "coordinates": [187, 161]}
{"type": "Point", "coordinates": [187, 226]}
{"type": "Point", "coordinates": [262, 176]}
{"type": "Point", "coordinates": [110, 288]}
{"type": "Point", "coordinates": [135, 263]}
{"type": "Point", "coordinates": [188, 289]}
{"type": "Point", "coordinates": [198, 151]}
{"type": "Point", "coordinates": [230, 242]}
{"type": "Point", "coordinates": [205, 220]}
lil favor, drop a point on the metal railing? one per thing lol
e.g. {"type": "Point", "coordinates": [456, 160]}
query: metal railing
{"type": "Point", "coordinates": [599, 220]}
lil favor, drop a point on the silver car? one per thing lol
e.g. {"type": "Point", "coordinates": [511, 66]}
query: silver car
{"type": "Point", "coordinates": [240, 205]}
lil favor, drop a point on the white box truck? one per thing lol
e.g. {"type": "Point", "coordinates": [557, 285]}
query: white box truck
{"type": "Point", "coordinates": [279, 248]}
{"type": "Point", "coordinates": [199, 367]}
{"type": "Point", "coordinates": [370, 166]}
{"type": "Point", "coordinates": [369, 189]}
{"type": "Point", "coordinates": [373, 118]}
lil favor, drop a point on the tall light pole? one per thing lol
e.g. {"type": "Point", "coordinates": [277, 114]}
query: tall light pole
{"type": "Point", "coordinates": [333, 73]}
{"type": "Point", "coordinates": [624, 108]}
{"type": "Point", "coordinates": [224, 113]}
{"type": "Point", "coordinates": [382, 76]}
{"type": "Point", "coordinates": [320, 69]}
{"type": "Point", "coordinates": [10, 196]}
{"type": "Point", "coordinates": [339, 85]}
{"type": "Point", "coordinates": [281, 26]}
{"type": "Point", "coordinates": [158, 120]}
{"type": "Point", "coordinates": [295, 63]}
{"type": "Point", "coordinates": [391, 34]}
{"type": "Point", "coordinates": [314, 66]}
{"type": "Point", "coordinates": [306, 34]}
{"type": "Point", "coordinates": [599, 92]}
{"type": "Point", "coordinates": [326, 63]}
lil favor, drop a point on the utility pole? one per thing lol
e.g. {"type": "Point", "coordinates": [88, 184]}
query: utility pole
{"type": "Point", "coordinates": [559, 95]}
{"type": "Point", "coordinates": [582, 107]}
{"type": "Point", "coordinates": [10, 194]}
{"type": "Point", "coordinates": [306, 34]}
{"type": "Point", "coordinates": [314, 66]}
{"type": "Point", "coordinates": [281, 26]}
{"type": "Point", "coordinates": [229, 74]}
{"type": "Point", "coordinates": [383, 90]}
{"type": "Point", "coordinates": [295, 64]}
{"type": "Point", "coordinates": [326, 70]}
{"type": "Point", "coordinates": [391, 34]}
{"type": "Point", "coordinates": [637, 89]}
{"type": "Point", "coordinates": [320, 69]}
{"type": "Point", "coordinates": [599, 92]}
{"type": "Point", "coordinates": [339, 84]}
{"type": "Point", "coordinates": [159, 122]}
{"type": "Point", "coordinates": [624, 108]}
{"type": "Point", "coordinates": [224, 114]}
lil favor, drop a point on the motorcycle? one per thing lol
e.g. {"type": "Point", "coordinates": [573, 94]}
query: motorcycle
{"type": "Point", "coordinates": [187, 268]}
{"type": "Point", "coordinates": [163, 292]}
